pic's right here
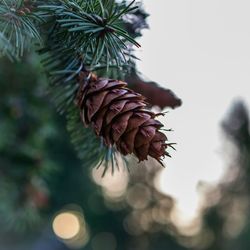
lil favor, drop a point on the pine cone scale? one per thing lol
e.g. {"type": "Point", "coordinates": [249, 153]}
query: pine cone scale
{"type": "Point", "coordinates": [98, 86]}
{"type": "Point", "coordinates": [94, 103]}
{"type": "Point", "coordinates": [120, 125]}
{"type": "Point", "coordinates": [137, 120]}
{"type": "Point", "coordinates": [127, 141]}
{"type": "Point", "coordinates": [143, 152]}
{"type": "Point", "coordinates": [113, 94]}
{"type": "Point", "coordinates": [114, 110]}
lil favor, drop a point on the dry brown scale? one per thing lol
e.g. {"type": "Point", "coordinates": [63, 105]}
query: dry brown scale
{"type": "Point", "coordinates": [118, 114]}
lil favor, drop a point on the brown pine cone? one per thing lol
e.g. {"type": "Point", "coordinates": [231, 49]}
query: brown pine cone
{"type": "Point", "coordinates": [117, 114]}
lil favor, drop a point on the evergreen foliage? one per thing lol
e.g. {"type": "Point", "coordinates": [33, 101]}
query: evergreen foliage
{"type": "Point", "coordinates": [73, 36]}
{"type": "Point", "coordinates": [18, 28]}
{"type": "Point", "coordinates": [76, 36]}
{"type": "Point", "coordinates": [25, 128]}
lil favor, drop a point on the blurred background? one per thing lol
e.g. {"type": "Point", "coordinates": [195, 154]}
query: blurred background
{"type": "Point", "coordinates": [49, 199]}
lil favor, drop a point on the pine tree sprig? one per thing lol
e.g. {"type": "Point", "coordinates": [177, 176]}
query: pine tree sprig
{"type": "Point", "coordinates": [92, 29]}
{"type": "Point", "coordinates": [17, 28]}
{"type": "Point", "coordinates": [80, 36]}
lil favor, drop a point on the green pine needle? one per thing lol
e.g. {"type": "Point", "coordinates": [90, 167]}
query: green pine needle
{"type": "Point", "coordinates": [17, 28]}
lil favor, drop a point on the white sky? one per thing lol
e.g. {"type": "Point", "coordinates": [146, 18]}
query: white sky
{"type": "Point", "coordinates": [201, 50]}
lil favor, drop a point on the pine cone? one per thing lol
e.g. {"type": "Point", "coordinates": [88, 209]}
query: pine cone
{"type": "Point", "coordinates": [117, 114]}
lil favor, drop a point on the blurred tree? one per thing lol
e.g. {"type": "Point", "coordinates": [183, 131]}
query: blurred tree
{"type": "Point", "coordinates": [227, 213]}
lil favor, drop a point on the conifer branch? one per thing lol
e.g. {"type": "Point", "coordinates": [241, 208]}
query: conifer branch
{"type": "Point", "coordinates": [91, 32]}
{"type": "Point", "coordinates": [81, 36]}
{"type": "Point", "coordinates": [17, 28]}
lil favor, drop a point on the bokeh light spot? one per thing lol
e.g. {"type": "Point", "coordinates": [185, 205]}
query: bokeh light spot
{"type": "Point", "coordinates": [138, 196]}
{"type": "Point", "coordinates": [66, 225]}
